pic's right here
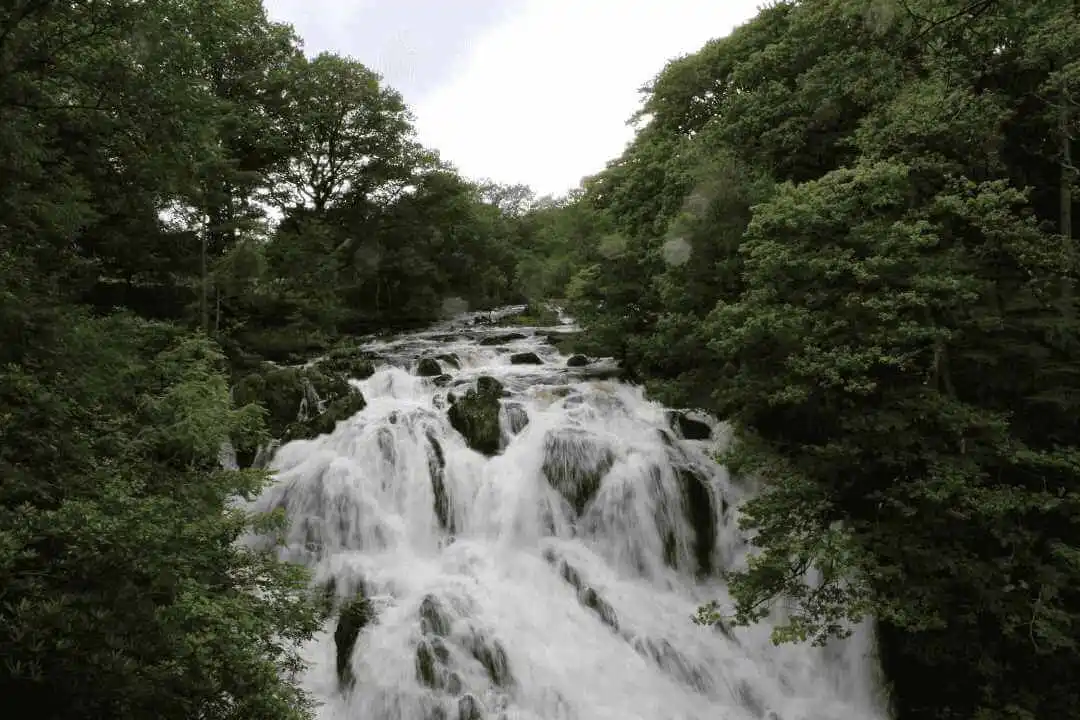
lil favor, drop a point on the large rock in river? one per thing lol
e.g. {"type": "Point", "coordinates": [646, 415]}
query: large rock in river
{"type": "Point", "coordinates": [301, 403]}
{"type": "Point", "coordinates": [476, 415]}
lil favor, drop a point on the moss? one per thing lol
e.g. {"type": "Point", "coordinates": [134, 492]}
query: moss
{"type": "Point", "coordinates": [341, 409]}
{"type": "Point", "coordinates": [534, 315]}
{"type": "Point", "coordinates": [450, 359]}
{"type": "Point", "coordinates": [299, 402]}
{"type": "Point", "coordinates": [501, 339]}
{"type": "Point", "coordinates": [525, 358]}
{"type": "Point", "coordinates": [476, 416]}
{"type": "Point", "coordinates": [428, 367]}
{"type": "Point", "coordinates": [356, 367]}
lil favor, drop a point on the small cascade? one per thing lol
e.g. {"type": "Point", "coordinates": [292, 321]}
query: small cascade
{"type": "Point", "coordinates": [551, 575]}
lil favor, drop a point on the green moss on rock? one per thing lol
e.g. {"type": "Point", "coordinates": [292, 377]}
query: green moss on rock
{"type": "Point", "coordinates": [428, 367]}
{"type": "Point", "coordinates": [476, 416]}
{"type": "Point", "coordinates": [300, 403]}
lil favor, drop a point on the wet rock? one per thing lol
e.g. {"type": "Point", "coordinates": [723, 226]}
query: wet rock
{"type": "Point", "coordinates": [525, 358]}
{"type": "Point", "coordinates": [698, 503]}
{"type": "Point", "coordinates": [427, 665]}
{"type": "Point", "coordinates": [350, 362]}
{"type": "Point", "coordinates": [492, 656]}
{"type": "Point", "coordinates": [443, 380]}
{"type": "Point", "coordinates": [384, 439]}
{"type": "Point", "coordinates": [301, 403]}
{"type": "Point", "coordinates": [671, 661]}
{"type": "Point", "coordinates": [570, 575]}
{"type": "Point", "coordinates": [687, 427]}
{"type": "Point", "coordinates": [442, 652]}
{"type": "Point", "coordinates": [433, 618]}
{"type": "Point", "coordinates": [437, 471]}
{"type": "Point", "coordinates": [428, 367]}
{"type": "Point", "coordinates": [577, 361]}
{"type": "Point", "coordinates": [355, 616]}
{"type": "Point", "coordinates": [470, 708]}
{"type": "Point", "coordinates": [476, 416]}
{"type": "Point", "coordinates": [600, 372]}
{"type": "Point", "coordinates": [454, 685]}
{"type": "Point", "coordinates": [516, 417]}
{"type": "Point", "coordinates": [592, 600]}
{"type": "Point", "coordinates": [501, 338]}
{"type": "Point", "coordinates": [575, 463]}
{"type": "Point", "coordinates": [341, 409]}
{"type": "Point", "coordinates": [326, 598]}
{"type": "Point", "coordinates": [450, 359]}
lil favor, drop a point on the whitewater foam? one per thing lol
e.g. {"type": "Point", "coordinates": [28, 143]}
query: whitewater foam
{"type": "Point", "coordinates": [555, 580]}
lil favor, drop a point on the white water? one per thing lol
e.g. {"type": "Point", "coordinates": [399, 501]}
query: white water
{"type": "Point", "coordinates": [513, 581]}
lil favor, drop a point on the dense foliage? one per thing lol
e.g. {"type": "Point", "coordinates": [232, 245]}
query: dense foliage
{"type": "Point", "coordinates": [184, 194]}
{"type": "Point", "coordinates": [847, 228]}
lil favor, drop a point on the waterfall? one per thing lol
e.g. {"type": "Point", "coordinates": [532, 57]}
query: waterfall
{"type": "Point", "coordinates": [556, 579]}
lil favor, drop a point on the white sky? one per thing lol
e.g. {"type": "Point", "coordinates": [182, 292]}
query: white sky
{"type": "Point", "coordinates": [536, 91]}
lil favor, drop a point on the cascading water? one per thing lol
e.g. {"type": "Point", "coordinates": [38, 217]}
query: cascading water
{"type": "Point", "coordinates": [556, 579]}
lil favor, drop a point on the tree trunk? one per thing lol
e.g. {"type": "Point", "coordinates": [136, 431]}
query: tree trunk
{"type": "Point", "coordinates": [204, 311]}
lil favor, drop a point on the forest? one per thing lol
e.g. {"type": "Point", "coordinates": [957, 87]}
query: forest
{"type": "Point", "coordinates": [846, 228]}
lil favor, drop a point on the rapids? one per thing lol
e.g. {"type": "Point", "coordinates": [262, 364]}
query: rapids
{"type": "Point", "coordinates": [556, 580]}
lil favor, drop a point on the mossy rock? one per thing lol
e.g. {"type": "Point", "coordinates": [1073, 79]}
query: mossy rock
{"type": "Point", "coordinates": [534, 315]}
{"type": "Point", "coordinates": [575, 462]}
{"type": "Point", "coordinates": [284, 392]}
{"type": "Point", "coordinates": [476, 415]}
{"type": "Point", "coordinates": [355, 367]}
{"type": "Point", "coordinates": [687, 427]}
{"type": "Point", "coordinates": [470, 708]}
{"type": "Point", "coordinates": [592, 600]}
{"type": "Point", "coordinates": [492, 655]}
{"type": "Point", "coordinates": [355, 616]}
{"type": "Point", "coordinates": [427, 665]}
{"type": "Point", "coordinates": [525, 358]}
{"type": "Point", "coordinates": [450, 359]}
{"type": "Point", "coordinates": [341, 409]}
{"type": "Point", "coordinates": [517, 417]}
{"type": "Point", "coordinates": [502, 338]}
{"type": "Point", "coordinates": [437, 470]}
{"type": "Point", "coordinates": [433, 618]}
{"type": "Point", "coordinates": [428, 367]}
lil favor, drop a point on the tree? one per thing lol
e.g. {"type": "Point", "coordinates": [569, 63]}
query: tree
{"type": "Point", "coordinates": [123, 592]}
{"type": "Point", "coordinates": [352, 136]}
{"type": "Point", "coordinates": [876, 200]}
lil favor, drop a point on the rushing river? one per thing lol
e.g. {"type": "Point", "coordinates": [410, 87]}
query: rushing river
{"type": "Point", "coordinates": [503, 587]}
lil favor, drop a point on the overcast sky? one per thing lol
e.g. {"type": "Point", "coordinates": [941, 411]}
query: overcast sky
{"type": "Point", "coordinates": [530, 91]}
